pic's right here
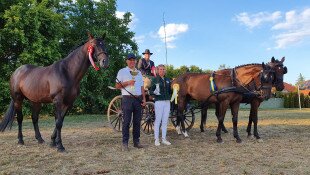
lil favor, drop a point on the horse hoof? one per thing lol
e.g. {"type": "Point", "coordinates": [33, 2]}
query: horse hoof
{"type": "Point", "coordinates": [21, 142]}
{"type": "Point", "coordinates": [219, 141]}
{"type": "Point", "coordinates": [61, 150]}
{"type": "Point", "coordinates": [41, 141]}
{"type": "Point", "coordinates": [250, 136]}
{"type": "Point", "coordinates": [239, 141]}
{"type": "Point", "coordinates": [53, 145]}
{"type": "Point", "coordinates": [260, 140]}
{"type": "Point", "coordinates": [178, 129]}
{"type": "Point", "coordinates": [225, 131]}
{"type": "Point", "coordinates": [185, 134]}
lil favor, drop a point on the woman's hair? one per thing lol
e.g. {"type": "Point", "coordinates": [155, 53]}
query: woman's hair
{"type": "Point", "coordinates": [161, 65]}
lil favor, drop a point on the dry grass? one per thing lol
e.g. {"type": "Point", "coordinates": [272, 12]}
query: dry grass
{"type": "Point", "coordinates": [93, 148]}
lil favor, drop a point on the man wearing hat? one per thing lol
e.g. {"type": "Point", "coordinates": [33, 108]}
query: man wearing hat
{"type": "Point", "coordinates": [145, 65]}
{"type": "Point", "coordinates": [129, 80]}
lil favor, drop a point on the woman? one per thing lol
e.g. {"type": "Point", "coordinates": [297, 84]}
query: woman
{"type": "Point", "coordinates": [161, 90]}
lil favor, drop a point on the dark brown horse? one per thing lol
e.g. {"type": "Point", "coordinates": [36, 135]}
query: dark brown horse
{"type": "Point", "coordinates": [230, 84]}
{"type": "Point", "coordinates": [279, 70]}
{"type": "Point", "coordinates": [58, 83]}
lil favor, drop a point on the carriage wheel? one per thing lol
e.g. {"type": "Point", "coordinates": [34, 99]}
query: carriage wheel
{"type": "Point", "coordinates": [148, 118]}
{"type": "Point", "coordinates": [115, 113]}
{"type": "Point", "coordinates": [189, 119]}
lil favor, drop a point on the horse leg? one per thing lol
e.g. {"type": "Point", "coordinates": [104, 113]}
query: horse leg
{"type": "Point", "coordinates": [222, 111]}
{"type": "Point", "coordinates": [61, 110]}
{"type": "Point", "coordinates": [217, 113]}
{"type": "Point", "coordinates": [248, 130]}
{"type": "Point", "coordinates": [181, 107]}
{"type": "Point", "coordinates": [18, 109]}
{"type": "Point", "coordinates": [36, 107]}
{"type": "Point", "coordinates": [234, 111]}
{"type": "Point", "coordinates": [254, 111]}
{"type": "Point", "coordinates": [174, 109]}
{"type": "Point", "coordinates": [203, 117]}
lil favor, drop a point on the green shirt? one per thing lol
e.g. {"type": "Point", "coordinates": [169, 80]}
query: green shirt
{"type": "Point", "coordinates": [164, 88]}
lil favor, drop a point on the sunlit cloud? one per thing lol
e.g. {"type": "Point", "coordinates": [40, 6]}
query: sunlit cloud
{"type": "Point", "coordinates": [139, 39]}
{"type": "Point", "coordinates": [172, 31]}
{"type": "Point", "coordinates": [295, 28]}
{"type": "Point", "coordinates": [254, 20]}
{"type": "Point", "coordinates": [288, 30]}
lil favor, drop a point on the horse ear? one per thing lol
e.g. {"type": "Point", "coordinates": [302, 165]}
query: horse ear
{"type": "Point", "coordinates": [90, 36]}
{"type": "Point", "coordinates": [273, 59]}
{"type": "Point", "coordinates": [282, 60]}
{"type": "Point", "coordinates": [263, 65]}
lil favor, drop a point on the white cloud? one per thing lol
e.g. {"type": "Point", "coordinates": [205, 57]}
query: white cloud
{"type": "Point", "coordinates": [134, 19]}
{"type": "Point", "coordinates": [172, 32]}
{"type": "Point", "coordinates": [139, 39]}
{"type": "Point", "coordinates": [255, 20]}
{"type": "Point", "coordinates": [289, 30]}
{"type": "Point", "coordinates": [295, 27]}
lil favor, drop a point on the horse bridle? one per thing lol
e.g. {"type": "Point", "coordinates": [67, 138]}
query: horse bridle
{"type": "Point", "coordinates": [96, 48]}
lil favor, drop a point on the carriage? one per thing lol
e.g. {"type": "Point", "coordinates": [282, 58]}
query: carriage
{"type": "Point", "coordinates": [115, 114]}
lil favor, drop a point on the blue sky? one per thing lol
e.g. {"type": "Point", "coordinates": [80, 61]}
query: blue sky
{"type": "Point", "coordinates": [210, 33]}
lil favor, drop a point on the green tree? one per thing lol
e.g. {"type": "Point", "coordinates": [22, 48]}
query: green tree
{"type": "Point", "coordinates": [300, 81]}
{"type": "Point", "coordinates": [99, 19]}
{"type": "Point", "coordinates": [195, 69]}
{"type": "Point", "coordinates": [30, 33]}
{"type": "Point", "coordinates": [223, 66]}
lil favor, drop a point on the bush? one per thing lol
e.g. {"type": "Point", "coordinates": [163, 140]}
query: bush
{"type": "Point", "coordinates": [291, 100]}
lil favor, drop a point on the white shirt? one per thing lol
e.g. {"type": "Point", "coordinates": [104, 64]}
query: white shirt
{"type": "Point", "coordinates": [124, 75]}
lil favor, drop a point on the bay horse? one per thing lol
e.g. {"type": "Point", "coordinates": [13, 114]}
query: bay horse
{"type": "Point", "coordinates": [279, 70]}
{"type": "Point", "coordinates": [58, 83]}
{"type": "Point", "coordinates": [230, 84]}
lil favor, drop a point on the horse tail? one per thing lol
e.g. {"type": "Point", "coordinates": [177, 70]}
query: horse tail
{"type": "Point", "coordinates": [8, 117]}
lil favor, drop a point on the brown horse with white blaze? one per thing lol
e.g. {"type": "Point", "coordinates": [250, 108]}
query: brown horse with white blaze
{"type": "Point", "coordinates": [58, 83]}
{"type": "Point", "coordinates": [230, 87]}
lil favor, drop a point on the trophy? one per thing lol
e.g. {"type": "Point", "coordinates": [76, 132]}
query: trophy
{"type": "Point", "coordinates": [133, 73]}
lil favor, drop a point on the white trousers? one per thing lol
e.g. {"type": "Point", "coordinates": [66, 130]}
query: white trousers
{"type": "Point", "coordinates": [162, 111]}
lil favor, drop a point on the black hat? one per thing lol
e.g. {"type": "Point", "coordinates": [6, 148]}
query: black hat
{"type": "Point", "coordinates": [147, 51]}
{"type": "Point", "coordinates": [130, 56]}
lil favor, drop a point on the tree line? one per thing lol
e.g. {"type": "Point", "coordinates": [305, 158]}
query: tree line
{"type": "Point", "coordinates": [41, 32]}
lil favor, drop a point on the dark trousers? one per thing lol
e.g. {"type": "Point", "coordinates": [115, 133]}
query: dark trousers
{"type": "Point", "coordinates": [131, 109]}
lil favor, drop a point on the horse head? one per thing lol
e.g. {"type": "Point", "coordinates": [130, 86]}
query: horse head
{"type": "Point", "coordinates": [267, 77]}
{"type": "Point", "coordinates": [97, 51]}
{"type": "Point", "coordinates": [279, 71]}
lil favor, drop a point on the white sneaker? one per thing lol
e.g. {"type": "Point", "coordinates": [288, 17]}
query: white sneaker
{"type": "Point", "coordinates": [157, 143]}
{"type": "Point", "coordinates": [166, 142]}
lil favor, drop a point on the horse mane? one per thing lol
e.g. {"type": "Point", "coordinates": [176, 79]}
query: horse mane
{"type": "Point", "coordinates": [77, 46]}
{"type": "Point", "coordinates": [251, 64]}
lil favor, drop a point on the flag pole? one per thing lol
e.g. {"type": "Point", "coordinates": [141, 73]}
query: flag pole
{"type": "Point", "coordinates": [165, 37]}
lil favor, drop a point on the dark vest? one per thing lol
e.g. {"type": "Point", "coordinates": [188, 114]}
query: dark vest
{"type": "Point", "coordinates": [146, 68]}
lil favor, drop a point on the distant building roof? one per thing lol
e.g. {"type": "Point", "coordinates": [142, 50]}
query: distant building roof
{"type": "Point", "coordinates": [289, 88]}
{"type": "Point", "coordinates": [306, 85]}
{"type": "Point", "coordinates": [305, 92]}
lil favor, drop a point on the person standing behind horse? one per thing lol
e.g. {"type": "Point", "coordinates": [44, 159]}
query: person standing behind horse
{"type": "Point", "coordinates": [129, 80]}
{"type": "Point", "coordinates": [161, 88]}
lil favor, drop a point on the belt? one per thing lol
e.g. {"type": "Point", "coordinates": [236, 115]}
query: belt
{"type": "Point", "coordinates": [132, 96]}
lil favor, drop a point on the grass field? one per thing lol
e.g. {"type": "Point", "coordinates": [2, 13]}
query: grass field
{"type": "Point", "coordinates": [94, 148]}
